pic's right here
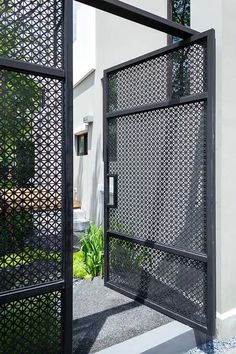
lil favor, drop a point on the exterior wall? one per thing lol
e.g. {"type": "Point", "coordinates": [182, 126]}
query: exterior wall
{"type": "Point", "coordinates": [83, 40]}
{"type": "Point", "coordinates": [117, 40]}
{"type": "Point", "coordinates": [224, 23]}
{"type": "Point", "coordinates": [84, 95]}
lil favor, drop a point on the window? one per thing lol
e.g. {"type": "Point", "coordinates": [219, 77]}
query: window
{"type": "Point", "coordinates": [179, 12]}
{"type": "Point", "coordinates": [82, 144]}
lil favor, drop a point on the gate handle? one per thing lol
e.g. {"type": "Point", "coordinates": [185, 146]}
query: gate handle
{"type": "Point", "coordinates": [112, 182]}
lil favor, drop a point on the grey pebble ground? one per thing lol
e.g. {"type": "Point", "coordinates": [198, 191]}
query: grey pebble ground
{"type": "Point", "coordinates": [216, 347]}
{"type": "Point", "coordinates": [103, 317]}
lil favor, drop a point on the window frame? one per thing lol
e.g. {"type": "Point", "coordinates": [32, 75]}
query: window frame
{"type": "Point", "coordinates": [85, 144]}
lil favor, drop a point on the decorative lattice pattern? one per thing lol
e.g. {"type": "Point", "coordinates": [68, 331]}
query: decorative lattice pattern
{"type": "Point", "coordinates": [32, 325]}
{"type": "Point", "coordinates": [174, 282]}
{"type": "Point", "coordinates": [31, 169]}
{"type": "Point", "coordinates": [178, 73]}
{"type": "Point", "coordinates": [159, 158]}
{"type": "Point", "coordinates": [32, 31]}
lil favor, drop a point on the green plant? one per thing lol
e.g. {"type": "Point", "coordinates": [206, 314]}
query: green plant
{"type": "Point", "coordinates": [92, 246]}
{"type": "Point", "coordinates": [79, 267]}
{"type": "Point", "coordinates": [89, 261]}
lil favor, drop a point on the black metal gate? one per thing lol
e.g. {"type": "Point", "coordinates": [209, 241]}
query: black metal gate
{"type": "Point", "coordinates": [35, 176]}
{"type": "Point", "coordinates": [159, 180]}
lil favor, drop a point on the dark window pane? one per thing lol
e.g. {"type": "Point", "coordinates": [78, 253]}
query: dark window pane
{"type": "Point", "coordinates": [82, 144]}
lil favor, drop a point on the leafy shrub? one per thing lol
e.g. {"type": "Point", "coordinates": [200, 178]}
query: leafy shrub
{"type": "Point", "coordinates": [89, 261]}
{"type": "Point", "coordinates": [79, 267]}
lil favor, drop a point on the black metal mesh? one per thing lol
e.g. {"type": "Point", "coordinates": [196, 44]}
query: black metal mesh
{"type": "Point", "coordinates": [160, 160]}
{"type": "Point", "coordinates": [159, 156]}
{"type": "Point", "coordinates": [32, 31]}
{"type": "Point", "coordinates": [31, 138]}
{"type": "Point", "coordinates": [32, 325]}
{"type": "Point", "coordinates": [175, 74]}
{"type": "Point", "coordinates": [173, 282]}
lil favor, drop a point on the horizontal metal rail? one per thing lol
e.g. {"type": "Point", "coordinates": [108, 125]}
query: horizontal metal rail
{"type": "Point", "coordinates": [140, 16]}
{"type": "Point", "coordinates": [197, 38]}
{"type": "Point", "coordinates": [159, 246]}
{"type": "Point", "coordinates": [159, 105]}
{"type": "Point", "coordinates": [158, 308]}
{"type": "Point", "coordinates": [31, 291]}
{"type": "Point", "coordinates": [35, 69]}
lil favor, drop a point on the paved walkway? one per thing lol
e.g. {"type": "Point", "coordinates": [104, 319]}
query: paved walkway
{"type": "Point", "coordinates": [102, 317]}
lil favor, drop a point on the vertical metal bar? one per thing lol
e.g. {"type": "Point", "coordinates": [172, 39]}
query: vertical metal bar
{"type": "Point", "coordinates": [68, 175]}
{"type": "Point", "coordinates": [210, 207]}
{"type": "Point", "coordinates": [106, 183]}
{"type": "Point", "coordinates": [169, 17]}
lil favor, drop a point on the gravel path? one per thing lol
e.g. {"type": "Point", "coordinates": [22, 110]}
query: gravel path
{"type": "Point", "coordinates": [102, 317]}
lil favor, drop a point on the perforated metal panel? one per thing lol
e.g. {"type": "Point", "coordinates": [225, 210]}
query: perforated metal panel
{"type": "Point", "coordinates": [35, 177]}
{"type": "Point", "coordinates": [32, 325]}
{"type": "Point", "coordinates": [32, 31]}
{"type": "Point", "coordinates": [159, 180]}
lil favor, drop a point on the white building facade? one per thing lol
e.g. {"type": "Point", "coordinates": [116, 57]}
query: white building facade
{"type": "Point", "coordinates": [101, 41]}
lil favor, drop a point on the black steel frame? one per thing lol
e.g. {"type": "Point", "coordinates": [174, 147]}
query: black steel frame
{"type": "Point", "coordinates": [142, 17]}
{"type": "Point", "coordinates": [65, 75]}
{"type": "Point", "coordinates": [210, 258]}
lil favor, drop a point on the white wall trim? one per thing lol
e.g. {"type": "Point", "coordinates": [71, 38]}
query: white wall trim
{"type": "Point", "coordinates": [225, 315]}
{"type": "Point", "coordinates": [81, 129]}
{"type": "Point", "coordinates": [84, 77]}
{"type": "Point", "coordinates": [226, 324]}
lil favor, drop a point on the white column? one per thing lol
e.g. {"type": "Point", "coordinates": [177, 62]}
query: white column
{"type": "Point", "coordinates": [221, 14]}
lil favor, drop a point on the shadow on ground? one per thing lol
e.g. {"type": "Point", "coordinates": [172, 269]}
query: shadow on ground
{"type": "Point", "coordinates": [102, 317]}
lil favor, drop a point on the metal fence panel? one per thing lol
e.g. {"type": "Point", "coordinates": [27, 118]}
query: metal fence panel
{"type": "Point", "coordinates": [159, 180]}
{"type": "Point", "coordinates": [35, 176]}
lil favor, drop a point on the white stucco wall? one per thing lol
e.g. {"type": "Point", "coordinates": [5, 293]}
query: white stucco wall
{"type": "Point", "coordinates": [221, 15]}
{"type": "Point", "coordinates": [117, 40]}
{"type": "Point", "coordinates": [83, 40]}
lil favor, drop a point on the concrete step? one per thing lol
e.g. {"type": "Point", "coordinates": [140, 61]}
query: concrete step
{"type": "Point", "coordinates": [79, 214]}
{"type": "Point", "coordinates": [80, 225]}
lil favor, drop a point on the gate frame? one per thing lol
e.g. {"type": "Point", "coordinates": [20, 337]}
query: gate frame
{"type": "Point", "coordinates": [210, 257]}
{"type": "Point", "coordinates": [65, 74]}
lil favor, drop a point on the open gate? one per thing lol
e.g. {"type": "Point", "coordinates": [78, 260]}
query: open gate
{"type": "Point", "coordinates": [35, 176]}
{"type": "Point", "coordinates": [159, 180]}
